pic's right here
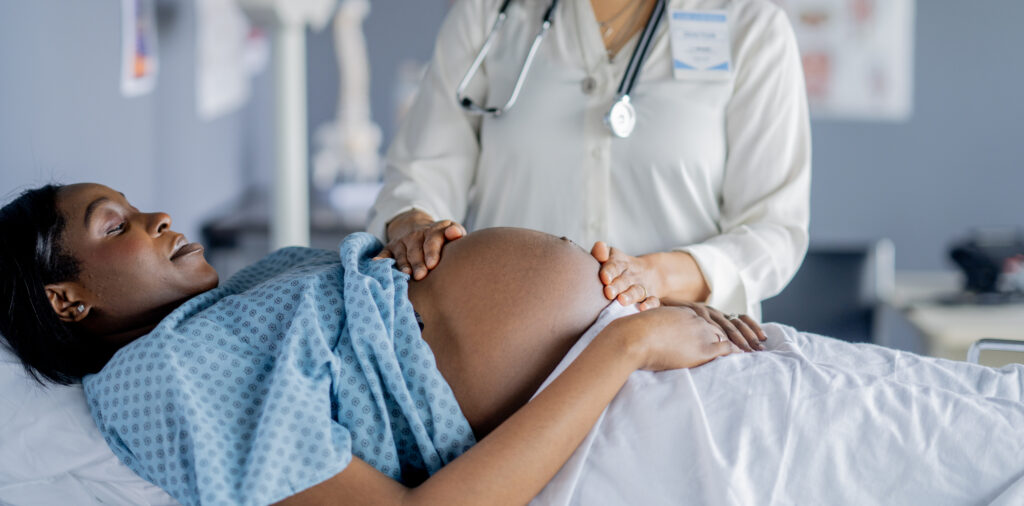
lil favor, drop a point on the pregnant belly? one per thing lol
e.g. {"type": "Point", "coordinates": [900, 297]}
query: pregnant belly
{"type": "Point", "coordinates": [499, 312]}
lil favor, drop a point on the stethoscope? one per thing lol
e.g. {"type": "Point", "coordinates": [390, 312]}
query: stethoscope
{"type": "Point", "coordinates": [621, 117]}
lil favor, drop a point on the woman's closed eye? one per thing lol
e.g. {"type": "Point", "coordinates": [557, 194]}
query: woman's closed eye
{"type": "Point", "coordinates": [116, 229]}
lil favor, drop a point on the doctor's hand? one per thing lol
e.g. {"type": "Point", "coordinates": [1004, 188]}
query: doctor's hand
{"type": "Point", "coordinates": [673, 276]}
{"type": "Point", "coordinates": [627, 279]}
{"type": "Point", "coordinates": [415, 241]}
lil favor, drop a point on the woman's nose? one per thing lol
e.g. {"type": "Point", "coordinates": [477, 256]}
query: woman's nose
{"type": "Point", "coordinates": [158, 222]}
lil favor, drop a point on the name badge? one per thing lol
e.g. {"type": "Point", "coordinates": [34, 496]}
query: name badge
{"type": "Point", "coordinates": [700, 44]}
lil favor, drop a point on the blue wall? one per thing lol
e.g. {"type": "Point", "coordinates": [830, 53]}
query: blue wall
{"type": "Point", "coordinates": [63, 118]}
{"type": "Point", "coordinates": [959, 162]}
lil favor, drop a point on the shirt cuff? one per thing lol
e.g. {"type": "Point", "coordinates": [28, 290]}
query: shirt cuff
{"type": "Point", "coordinates": [728, 292]}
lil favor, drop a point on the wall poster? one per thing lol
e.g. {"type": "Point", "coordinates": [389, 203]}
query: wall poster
{"type": "Point", "coordinates": [139, 62]}
{"type": "Point", "coordinates": [858, 56]}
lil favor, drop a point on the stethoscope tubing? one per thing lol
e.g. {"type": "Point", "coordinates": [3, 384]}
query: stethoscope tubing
{"type": "Point", "coordinates": [466, 102]}
{"type": "Point", "coordinates": [640, 51]}
{"type": "Point", "coordinates": [625, 86]}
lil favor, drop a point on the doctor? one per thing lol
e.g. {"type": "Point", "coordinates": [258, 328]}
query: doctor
{"type": "Point", "coordinates": [695, 190]}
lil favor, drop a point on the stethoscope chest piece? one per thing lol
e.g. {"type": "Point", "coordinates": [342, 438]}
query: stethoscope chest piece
{"type": "Point", "coordinates": [621, 118]}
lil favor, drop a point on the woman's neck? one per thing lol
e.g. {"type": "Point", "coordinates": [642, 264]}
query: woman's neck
{"type": "Point", "coordinates": [117, 332]}
{"type": "Point", "coordinates": [121, 338]}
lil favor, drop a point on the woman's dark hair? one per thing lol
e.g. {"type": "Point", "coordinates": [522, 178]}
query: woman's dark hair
{"type": "Point", "coordinates": [31, 256]}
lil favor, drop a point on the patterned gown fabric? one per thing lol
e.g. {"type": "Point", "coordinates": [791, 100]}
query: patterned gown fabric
{"type": "Point", "coordinates": [269, 384]}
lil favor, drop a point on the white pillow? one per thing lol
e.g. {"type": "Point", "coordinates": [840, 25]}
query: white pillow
{"type": "Point", "coordinates": [53, 453]}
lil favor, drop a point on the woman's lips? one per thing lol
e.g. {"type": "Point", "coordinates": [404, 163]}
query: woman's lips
{"type": "Point", "coordinates": [187, 249]}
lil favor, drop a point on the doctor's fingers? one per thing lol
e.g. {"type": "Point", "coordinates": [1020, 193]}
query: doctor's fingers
{"type": "Point", "coordinates": [649, 303]}
{"type": "Point", "coordinates": [397, 251]}
{"type": "Point", "coordinates": [407, 251]}
{"type": "Point", "coordinates": [616, 264]}
{"type": "Point", "coordinates": [454, 230]}
{"type": "Point", "coordinates": [414, 245]}
{"type": "Point", "coordinates": [432, 243]}
{"type": "Point", "coordinates": [634, 294]}
{"type": "Point", "coordinates": [600, 251]}
{"type": "Point", "coordinates": [437, 235]}
{"type": "Point", "coordinates": [618, 285]}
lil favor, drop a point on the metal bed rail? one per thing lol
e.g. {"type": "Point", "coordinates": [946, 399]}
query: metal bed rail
{"type": "Point", "coordinates": [994, 345]}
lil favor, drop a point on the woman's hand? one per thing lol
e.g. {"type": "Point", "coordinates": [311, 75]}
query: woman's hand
{"type": "Point", "coordinates": [742, 330]}
{"type": "Point", "coordinates": [671, 338]}
{"type": "Point", "coordinates": [415, 241]}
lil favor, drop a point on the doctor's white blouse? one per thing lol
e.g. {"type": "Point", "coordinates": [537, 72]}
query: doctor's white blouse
{"type": "Point", "coordinates": [718, 168]}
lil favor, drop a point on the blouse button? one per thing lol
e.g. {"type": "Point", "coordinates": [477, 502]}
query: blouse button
{"type": "Point", "coordinates": [588, 84]}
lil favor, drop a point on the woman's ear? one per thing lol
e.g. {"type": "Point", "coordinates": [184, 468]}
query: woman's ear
{"type": "Point", "coordinates": [68, 300]}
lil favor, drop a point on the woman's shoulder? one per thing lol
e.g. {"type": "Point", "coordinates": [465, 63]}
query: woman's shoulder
{"type": "Point", "coordinates": [142, 359]}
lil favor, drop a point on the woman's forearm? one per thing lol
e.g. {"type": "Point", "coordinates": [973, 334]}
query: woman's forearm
{"type": "Point", "coordinates": [514, 462]}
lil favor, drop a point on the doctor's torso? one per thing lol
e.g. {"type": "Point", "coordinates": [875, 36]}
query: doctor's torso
{"type": "Point", "coordinates": [550, 163]}
{"type": "Point", "coordinates": [717, 166]}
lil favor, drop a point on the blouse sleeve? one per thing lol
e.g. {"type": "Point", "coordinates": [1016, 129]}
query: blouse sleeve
{"type": "Point", "coordinates": [432, 160]}
{"type": "Point", "coordinates": [766, 185]}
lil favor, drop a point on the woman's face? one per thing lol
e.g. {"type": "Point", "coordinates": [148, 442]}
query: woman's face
{"type": "Point", "coordinates": [134, 268]}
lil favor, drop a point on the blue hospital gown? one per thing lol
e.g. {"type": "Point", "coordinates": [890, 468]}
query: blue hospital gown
{"type": "Point", "coordinates": [269, 384]}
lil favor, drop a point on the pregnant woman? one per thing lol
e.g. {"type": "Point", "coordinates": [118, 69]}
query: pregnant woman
{"type": "Point", "coordinates": [314, 378]}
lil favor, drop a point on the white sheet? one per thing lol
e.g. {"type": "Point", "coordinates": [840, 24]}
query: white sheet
{"type": "Point", "coordinates": [51, 451]}
{"type": "Point", "coordinates": [812, 421]}
{"type": "Point", "coordinates": [815, 421]}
